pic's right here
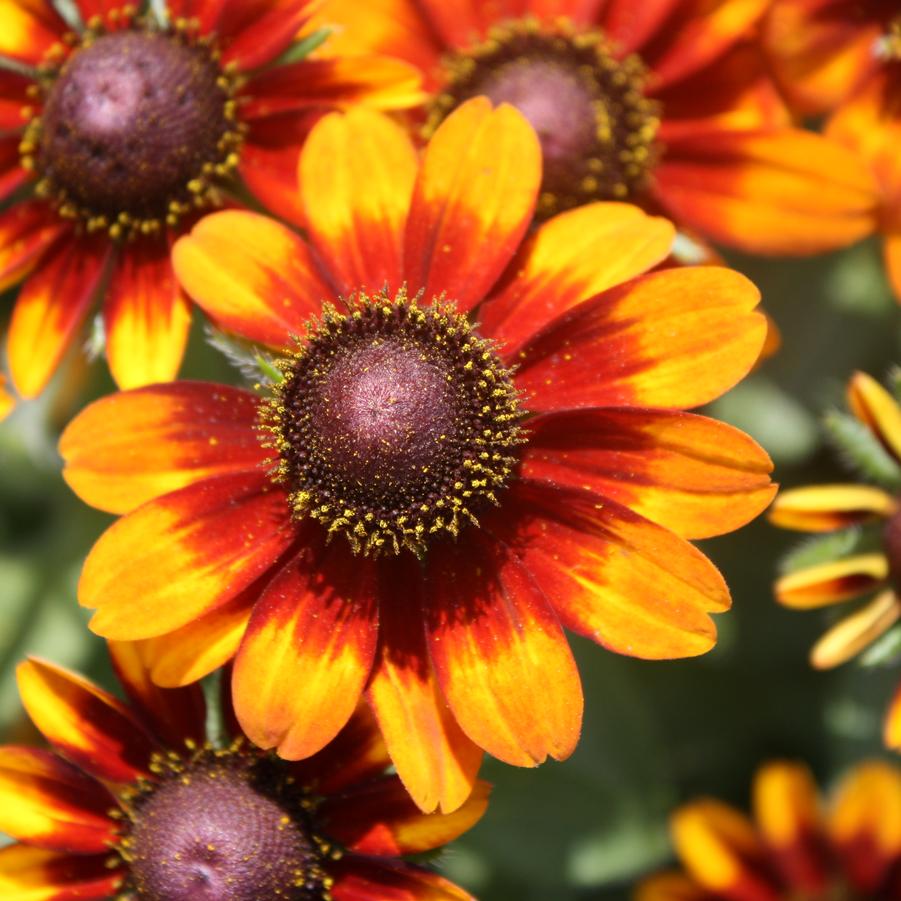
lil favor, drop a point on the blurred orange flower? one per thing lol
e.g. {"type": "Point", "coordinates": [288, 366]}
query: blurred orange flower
{"type": "Point", "coordinates": [475, 442]}
{"type": "Point", "coordinates": [134, 800]}
{"type": "Point", "coordinates": [796, 846]}
{"type": "Point", "coordinates": [664, 103]}
{"type": "Point", "coordinates": [116, 130]}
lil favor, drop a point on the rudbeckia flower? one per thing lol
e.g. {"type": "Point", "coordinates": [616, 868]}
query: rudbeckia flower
{"type": "Point", "coordinates": [116, 129]}
{"type": "Point", "coordinates": [820, 51]}
{"type": "Point", "coordinates": [475, 440]}
{"type": "Point", "coordinates": [796, 846]}
{"type": "Point", "coordinates": [132, 801]}
{"type": "Point", "coordinates": [666, 104]}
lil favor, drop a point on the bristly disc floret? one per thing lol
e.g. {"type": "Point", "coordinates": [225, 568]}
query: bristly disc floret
{"type": "Point", "coordinates": [596, 126]}
{"type": "Point", "coordinates": [137, 127]}
{"type": "Point", "coordinates": [221, 825]}
{"type": "Point", "coordinates": [394, 422]}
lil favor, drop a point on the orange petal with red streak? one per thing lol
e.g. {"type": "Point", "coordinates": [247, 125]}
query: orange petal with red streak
{"type": "Point", "coordinates": [26, 231]}
{"type": "Point", "coordinates": [877, 410]}
{"type": "Point", "coordinates": [823, 508]}
{"type": "Point", "coordinates": [28, 29]}
{"type": "Point", "coordinates": [371, 879]}
{"type": "Point", "coordinates": [36, 874]}
{"type": "Point", "coordinates": [833, 582]}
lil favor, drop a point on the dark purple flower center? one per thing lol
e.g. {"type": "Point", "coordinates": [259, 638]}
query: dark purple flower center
{"type": "Point", "coordinates": [393, 422]}
{"type": "Point", "coordinates": [221, 828]}
{"type": "Point", "coordinates": [136, 127]}
{"type": "Point", "coordinates": [596, 126]}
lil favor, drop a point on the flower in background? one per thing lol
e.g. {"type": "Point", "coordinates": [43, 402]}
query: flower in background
{"type": "Point", "coordinates": [665, 104]}
{"type": "Point", "coordinates": [117, 129]}
{"type": "Point", "coordinates": [821, 51]}
{"type": "Point", "coordinates": [795, 847]}
{"type": "Point", "coordinates": [475, 441]}
{"type": "Point", "coordinates": [134, 801]}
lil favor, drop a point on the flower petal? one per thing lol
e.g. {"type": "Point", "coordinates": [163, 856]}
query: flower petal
{"type": "Point", "coordinates": [175, 715]}
{"type": "Point", "coordinates": [49, 803]}
{"type": "Point", "coordinates": [693, 475]}
{"type": "Point", "coordinates": [892, 254]}
{"type": "Point", "coordinates": [256, 33]}
{"type": "Point", "coordinates": [28, 29]}
{"type": "Point", "coordinates": [823, 508]}
{"type": "Point", "coordinates": [613, 576]}
{"type": "Point", "coordinates": [770, 191]}
{"type": "Point", "coordinates": [128, 448]}
{"type": "Point", "coordinates": [569, 259]}
{"type": "Point", "coordinates": [180, 556]}
{"type": "Point", "coordinates": [830, 583]}
{"type": "Point", "coordinates": [877, 410]}
{"type": "Point", "coordinates": [500, 655]}
{"type": "Point", "coordinates": [50, 309]}
{"type": "Point", "coordinates": [84, 723]}
{"type": "Point", "coordinates": [252, 275]}
{"type": "Point", "coordinates": [12, 174]}
{"type": "Point", "coordinates": [146, 317]}
{"type": "Point", "coordinates": [672, 886]}
{"type": "Point", "coordinates": [891, 732]}
{"type": "Point", "coordinates": [865, 824]}
{"type": "Point", "coordinates": [356, 177]}
{"type": "Point", "coordinates": [473, 201]}
{"type": "Point", "coordinates": [380, 818]}
{"type": "Point", "coordinates": [35, 874]}
{"type": "Point", "coordinates": [855, 633]}
{"type": "Point", "coordinates": [676, 338]}
{"type": "Point", "coordinates": [435, 760]}
{"type": "Point", "coordinates": [26, 231]}
{"type": "Point", "coordinates": [366, 879]}
{"type": "Point", "coordinates": [307, 652]}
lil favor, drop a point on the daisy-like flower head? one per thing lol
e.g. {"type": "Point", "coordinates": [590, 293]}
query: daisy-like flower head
{"type": "Point", "coordinates": [133, 802]}
{"type": "Point", "coordinates": [118, 128]}
{"type": "Point", "coordinates": [821, 51]}
{"type": "Point", "coordinates": [665, 104]}
{"type": "Point", "coordinates": [474, 440]}
{"type": "Point", "coordinates": [797, 845]}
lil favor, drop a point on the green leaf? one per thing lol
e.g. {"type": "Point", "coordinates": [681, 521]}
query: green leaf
{"type": "Point", "coordinates": [826, 548]}
{"type": "Point", "coordinates": [885, 651]}
{"type": "Point", "coordinates": [255, 365]}
{"type": "Point", "coordinates": [300, 50]}
{"type": "Point", "coordinates": [861, 451]}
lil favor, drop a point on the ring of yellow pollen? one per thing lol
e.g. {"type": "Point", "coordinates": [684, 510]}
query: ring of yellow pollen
{"type": "Point", "coordinates": [136, 128]}
{"type": "Point", "coordinates": [220, 825]}
{"type": "Point", "coordinates": [393, 422]}
{"type": "Point", "coordinates": [596, 126]}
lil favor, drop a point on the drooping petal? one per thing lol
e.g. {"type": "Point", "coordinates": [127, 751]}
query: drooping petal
{"type": "Point", "coordinates": [28, 29]}
{"type": "Point", "coordinates": [693, 475]}
{"type": "Point", "coordinates": [128, 448]}
{"type": "Point", "coordinates": [676, 338]}
{"type": "Point", "coordinates": [473, 201]}
{"type": "Point", "coordinates": [877, 410]}
{"type": "Point", "coordinates": [853, 634]}
{"type": "Point", "coordinates": [830, 583]}
{"type": "Point", "coordinates": [435, 760]}
{"type": "Point", "coordinates": [36, 874]}
{"type": "Point", "coordinates": [146, 317]}
{"type": "Point", "coordinates": [367, 879]}
{"type": "Point", "coordinates": [12, 174]}
{"type": "Point", "coordinates": [50, 309]}
{"type": "Point", "coordinates": [501, 658]}
{"type": "Point", "coordinates": [380, 818]}
{"type": "Point", "coordinates": [822, 508]}
{"type": "Point", "coordinates": [84, 723]}
{"type": "Point", "coordinates": [569, 259]}
{"type": "Point", "coordinates": [26, 231]}
{"type": "Point", "coordinates": [865, 824]}
{"type": "Point", "coordinates": [49, 803]}
{"type": "Point", "coordinates": [307, 652]}
{"type": "Point", "coordinates": [721, 850]}
{"type": "Point", "coordinates": [185, 554]}
{"type": "Point", "coordinates": [252, 275]}
{"type": "Point", "coordinates": [356, 177]}
{"type": "Point", "coordinates": [175, 715]}
{"type": "Point", "coordinates": [613, 576]}
{"type": "Point", "coordinates": [14, 101]}
{"type": "Point", "coordinates": [769, 191]}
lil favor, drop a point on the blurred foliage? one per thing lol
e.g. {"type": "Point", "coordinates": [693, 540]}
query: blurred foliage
{"type": "Point", "coordinates": [655, 733]}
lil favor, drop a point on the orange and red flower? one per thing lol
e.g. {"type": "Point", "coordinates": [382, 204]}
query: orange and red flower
{"type": "Point", "coordinates": [796, 846]}
{"type": "Point", "coordinates": [133, 800]}
{"type": "Point", "coordinates": [476, 441]}
{"type": "Point", "coordinates": [666, 104]}
{"type": "Point", "coordinates": [101, 178]}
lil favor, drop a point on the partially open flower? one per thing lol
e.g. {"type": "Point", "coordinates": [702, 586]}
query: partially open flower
{"type": "Point", "coordinates": [135, 803]}
{"type": "Point", "coordinates": [117, 131]}
{"type": "Point", "coordinates": [796, 847]}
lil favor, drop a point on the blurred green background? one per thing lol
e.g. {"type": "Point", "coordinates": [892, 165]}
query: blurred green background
{"type": "Point", "coordinates": [655, 733]}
